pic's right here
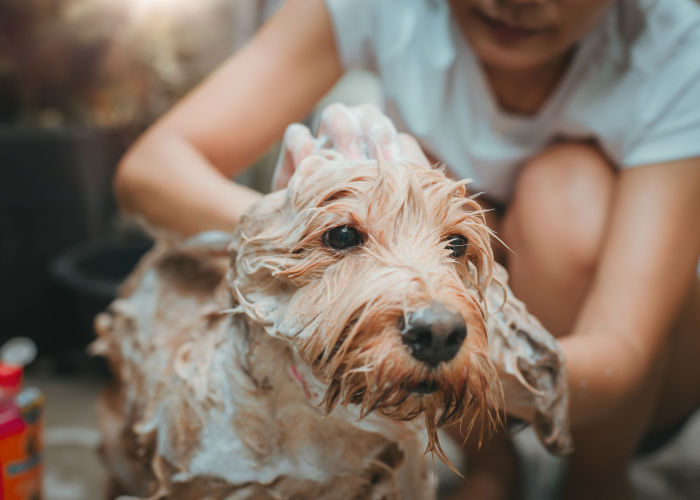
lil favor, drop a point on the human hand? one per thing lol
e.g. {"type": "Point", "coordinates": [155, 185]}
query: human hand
{"type": "Point", "coordinates": [349, 133]}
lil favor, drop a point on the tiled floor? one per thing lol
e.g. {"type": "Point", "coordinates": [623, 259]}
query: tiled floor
{"type": "Point", "coordinates": [73, 470]}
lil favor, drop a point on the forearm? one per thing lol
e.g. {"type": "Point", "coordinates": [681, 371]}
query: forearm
{"type": "Point", "coordinates": [618, 380]}
{"type": "Point", "coordinates": [175, 175]}
{"type": "Point", "coordinates": [618, 352]}
{"type": "Point", "coordinates": [169, 182]}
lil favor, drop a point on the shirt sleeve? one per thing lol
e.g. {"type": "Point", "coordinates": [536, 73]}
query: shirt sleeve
{"type": "Point", "coordinates": [354, 26]}
{"type": "Point", "coordinates": [669, 127]}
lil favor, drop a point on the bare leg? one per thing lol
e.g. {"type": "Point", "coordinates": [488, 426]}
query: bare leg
{"type": "Point", "coordinates": [491, 470]}
{"type": "Point", "coordinates": [555, 226]}
{"type": "Point", "coordinates": [554, 249]}
{"type": "Point", "coordinates": [598, 468]}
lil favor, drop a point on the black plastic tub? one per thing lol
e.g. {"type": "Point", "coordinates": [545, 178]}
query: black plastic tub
{"type": "Point", "coordinates": [88, 276]}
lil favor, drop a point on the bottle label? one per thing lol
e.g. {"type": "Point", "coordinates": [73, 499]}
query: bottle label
{"type": "Point", "coordinates": [20, 448]}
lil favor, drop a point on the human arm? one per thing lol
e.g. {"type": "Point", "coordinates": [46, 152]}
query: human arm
{"type": "Point", "coordinates": [646, 267]}
{"type": "Point", "coordinates": [176, 174]}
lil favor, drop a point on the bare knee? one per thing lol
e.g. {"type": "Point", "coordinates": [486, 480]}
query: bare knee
{"type": "Point", "coordinates": [560, 207]}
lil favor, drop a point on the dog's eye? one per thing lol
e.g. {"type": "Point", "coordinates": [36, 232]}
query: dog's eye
{"type": "Point", "coordinates": [457, 245]}
{"type": "Point", "coordinates": [342, 237]}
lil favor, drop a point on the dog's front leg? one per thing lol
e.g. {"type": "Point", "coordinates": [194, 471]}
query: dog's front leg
{"type": "Point", "coordinates": [531, 366]}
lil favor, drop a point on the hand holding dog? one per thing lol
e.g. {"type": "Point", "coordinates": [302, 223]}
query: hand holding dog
{"type": "Point", "coordinates": [351, 133]}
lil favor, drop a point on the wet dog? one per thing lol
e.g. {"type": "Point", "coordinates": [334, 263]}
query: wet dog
{"type": "Point", "coordinates": [358, 310]}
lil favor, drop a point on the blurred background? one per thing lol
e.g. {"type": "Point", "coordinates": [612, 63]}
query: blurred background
{"type": "Point", "coordinates": [79, 80]}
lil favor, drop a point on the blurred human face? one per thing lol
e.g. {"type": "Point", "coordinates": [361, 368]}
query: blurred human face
{"type": "Point", "coordinates": [524, 34]}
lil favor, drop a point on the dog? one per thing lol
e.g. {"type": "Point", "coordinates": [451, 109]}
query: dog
{"type": "Point", "coordinates": [316, 353]}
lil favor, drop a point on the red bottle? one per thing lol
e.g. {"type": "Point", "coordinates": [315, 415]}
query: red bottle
{"type": "Point", "coordinates": [20, 436]}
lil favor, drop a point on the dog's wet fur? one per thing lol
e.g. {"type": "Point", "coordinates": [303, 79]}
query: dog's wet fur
{"type": "Point", "coordinates": [283, 370]}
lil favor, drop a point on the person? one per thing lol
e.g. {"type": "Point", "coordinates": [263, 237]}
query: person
{"type": "Point", "coordinates": [579, 120]}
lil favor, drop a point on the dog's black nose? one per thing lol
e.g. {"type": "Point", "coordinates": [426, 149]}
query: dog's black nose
{"type": "Point", "coordinates": [433, 334]}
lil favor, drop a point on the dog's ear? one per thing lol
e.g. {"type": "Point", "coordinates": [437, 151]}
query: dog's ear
{"type": "Point", "coordinates": [311, 170]}
{"type": "Point", "coordinates": [264, 215]}
{"type": "Point", "coordinates": [309, 165]}
{"type": "Point", "coordinates": [257, 242]}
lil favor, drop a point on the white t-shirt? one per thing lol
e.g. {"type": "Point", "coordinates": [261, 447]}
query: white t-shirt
{"type": "Point", "coordinates": [640, 100]}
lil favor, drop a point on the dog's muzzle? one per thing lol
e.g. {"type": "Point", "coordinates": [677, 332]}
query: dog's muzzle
{"type": "Point", "coordinates": [433, 334]}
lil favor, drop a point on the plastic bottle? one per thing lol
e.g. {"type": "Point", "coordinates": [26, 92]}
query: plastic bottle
{"type": "Point", "coordinates": [21, 412]}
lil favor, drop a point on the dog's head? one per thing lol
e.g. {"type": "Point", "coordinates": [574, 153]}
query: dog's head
{"type": "Point", "coordinates": [374, 272]}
